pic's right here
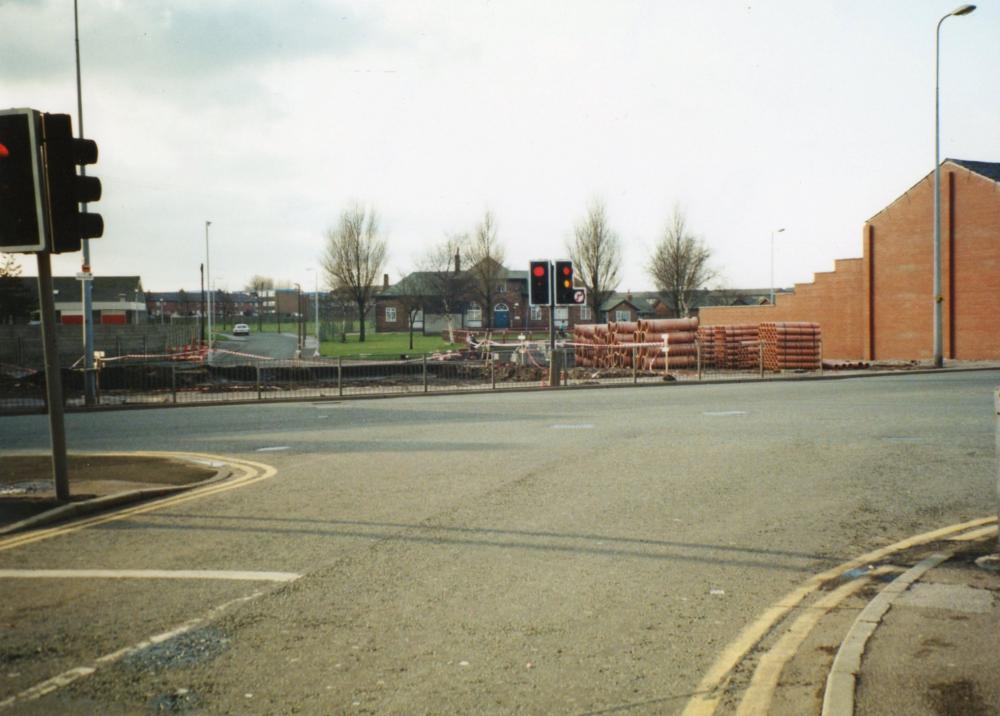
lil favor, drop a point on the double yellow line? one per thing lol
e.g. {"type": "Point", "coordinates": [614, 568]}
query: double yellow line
{"type": "Point", "coordinates": [248, 473]}
{"type": "Point", "coordinates": [712, 686]}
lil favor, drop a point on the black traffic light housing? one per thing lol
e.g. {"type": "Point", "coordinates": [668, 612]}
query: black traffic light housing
{"type": "Point", "coordinates": [539, 283]}
{"type": "Point", "coordinates": [66, 189]}
{"type": "Point", "coordinates": [564, 283]}
{"type": "Point", "coordinates": [22, 206]}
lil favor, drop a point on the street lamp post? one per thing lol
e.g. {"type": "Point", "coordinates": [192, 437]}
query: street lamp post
{"type": "Point", "coordinates": [776, 231]}
{"type": "Point", "coordinates": [938, 298]}
{"type": "Point", "coordinates": [316, 308]}
{"type": "Point", "coordinates": [208, 279]}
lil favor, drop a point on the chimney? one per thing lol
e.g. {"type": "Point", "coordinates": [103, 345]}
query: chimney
{"type": "Point", "coordinates": [458, 262]}
{"type": "Point", "coordinates": [385, 280]}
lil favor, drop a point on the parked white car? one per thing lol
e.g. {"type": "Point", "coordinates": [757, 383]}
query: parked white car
{"type": "Point", "coordinates": [241, 329]}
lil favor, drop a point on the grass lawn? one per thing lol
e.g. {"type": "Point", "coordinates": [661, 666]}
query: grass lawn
{"type": "Point", "coordinates": [385, 344]}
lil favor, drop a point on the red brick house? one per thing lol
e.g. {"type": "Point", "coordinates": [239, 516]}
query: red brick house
{"type": "Point", "coordinates": [879, 306]}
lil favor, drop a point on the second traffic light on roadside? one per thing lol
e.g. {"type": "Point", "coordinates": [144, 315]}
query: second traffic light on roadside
{"type": "Point", "coordinates": [67, 189]}
{"type": "Point", "coordinates": [564, 283]}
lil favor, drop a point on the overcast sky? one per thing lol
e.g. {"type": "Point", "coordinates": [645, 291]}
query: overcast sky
{"type": "Point", "coordinates": [270, 117]}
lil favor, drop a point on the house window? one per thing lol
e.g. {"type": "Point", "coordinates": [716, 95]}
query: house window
{"type": "Point", "coordinates": [562, 316]}
{"type": "Point", "coordinates": [536, 313]}
{"type": "Point", "coordinates": [502, 287]}
{"type": "Point", "coordinates": [474, 315]}
{"type": "Point", "coordinates": [585, 313]}
{"type": "Point", "coordinates": [622, 315]}
{"type": "Point", "coordinates": [390, 314]}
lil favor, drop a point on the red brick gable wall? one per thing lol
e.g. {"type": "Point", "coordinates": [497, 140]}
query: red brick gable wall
{"type": "Point", "coordinates": [879, 307]}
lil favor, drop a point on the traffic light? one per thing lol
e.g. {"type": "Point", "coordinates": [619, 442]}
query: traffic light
{"type": "Point", "coordinates": [564, 283]}
{"type": "Point", "coordinates": [22, 210]}
{"type": "Point", "coordinates": [538, 283]}
{"type": "Point", "coordinates": [67, 189]}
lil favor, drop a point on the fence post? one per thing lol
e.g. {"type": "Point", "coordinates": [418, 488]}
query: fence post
{"type": "Point", "coordinates": [118, 345]}
{"type": "Point", "coordinates": [760, 358]}
{"type": "Point", "coordinates": [340, 375]}
{"type": "Point", "coordinates": [635, 364]}
{"type": "Point", "coordinates": [697, 346]}
{"type": "Point", "coordinates": [257, 371]}
{"type": "Point", "coordinates": [493, 372]}
{"type": "Point", "coordinates": [996, 419]}
{"type": "Point", "coordinates": [425, 372]}
{"type": "Point", "coordinates": [173, 382]}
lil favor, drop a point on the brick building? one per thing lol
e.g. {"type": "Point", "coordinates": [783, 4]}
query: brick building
{"type": "Point", "coordinates": [510, 309]}
{"type": "Point", "coordinates": [879, 306]}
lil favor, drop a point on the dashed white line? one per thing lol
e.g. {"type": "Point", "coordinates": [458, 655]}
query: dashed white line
{"type": "Point", "coordinates": [276, 448]}
{"type": "Point", "coordinates": [68, 677]}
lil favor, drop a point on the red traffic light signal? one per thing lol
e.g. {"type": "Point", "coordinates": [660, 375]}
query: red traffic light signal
{"type": "Point", "coordinates": [539, 284]}
{"type": "Point", "coordinates": [564, 283]}
{"type": "Point", "coordinates": [22, 209]}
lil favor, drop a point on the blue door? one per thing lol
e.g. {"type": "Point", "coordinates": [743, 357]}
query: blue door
{"type": "Point", "coordinates": [501, 316]}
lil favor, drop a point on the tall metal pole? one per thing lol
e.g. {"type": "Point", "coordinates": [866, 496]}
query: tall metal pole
{"type": "Point", "coordinates": [317, 314]}
{"type": "Point", "coordinates": [86, 286]}
{"type": "Point", "coordinates": [938, 297]}
{"type": "Point", "coordinates": [208, 278]}
{"type": "Point", "coordinates": [53, 378]}
{"type": "Point", "coordinates": [777, 231]}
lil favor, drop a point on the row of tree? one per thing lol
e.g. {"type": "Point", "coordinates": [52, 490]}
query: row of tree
{"type": "Point", "coordinates": [356, 251]}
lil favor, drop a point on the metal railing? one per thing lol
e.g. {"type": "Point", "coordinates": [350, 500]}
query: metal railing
{"type": "Point", "coordinates": [135, 380]}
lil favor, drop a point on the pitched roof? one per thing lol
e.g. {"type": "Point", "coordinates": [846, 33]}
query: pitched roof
{"type": "Point", "coordinates": [990, 170]}
{"type": "Point", "coordinates": [413, 284]}
{"type": "Point", "coordinates": [105, 288]}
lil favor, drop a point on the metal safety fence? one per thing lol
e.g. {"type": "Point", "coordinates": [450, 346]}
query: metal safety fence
{"type": "Point", "coordinates": [225, 377]}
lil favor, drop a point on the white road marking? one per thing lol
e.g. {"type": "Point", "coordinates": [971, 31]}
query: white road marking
{"type": "Point", "coordinates": [231, 575]}
{"type": "Point", "coordinates": [68, 677]}
{"type": "Point", "coordinates": [578, 426]}
{"type": "Point", "coordinates": [724, 413]}
{"type": "Point", "coordinates": [272, 449]}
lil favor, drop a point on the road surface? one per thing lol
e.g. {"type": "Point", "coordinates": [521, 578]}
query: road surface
{"type": "Point", "coordinates": [576, 552]}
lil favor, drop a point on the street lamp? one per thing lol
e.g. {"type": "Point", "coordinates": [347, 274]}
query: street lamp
{"type": "Point", "coordinates": [315, 272]}
{"type": "Point", "coordinates": [776, 231]}
{"type": "Point", "coordinates": [938, 298]}
{"type": "Point", "coordinates": [208, 278]}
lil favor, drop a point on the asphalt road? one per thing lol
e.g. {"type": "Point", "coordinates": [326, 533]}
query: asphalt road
{"type": "Point", "coordinates": [281, 346]}
{"type": "Point", "coordinates": [550, 552]}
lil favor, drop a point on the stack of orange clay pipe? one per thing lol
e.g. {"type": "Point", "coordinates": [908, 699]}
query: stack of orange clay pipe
{"type": "Point", "coordinates": [736, 347]}
{"type": "Point", "coordinates": [791, 346]}
{"type": "Point", "coordinates": [614, 345]}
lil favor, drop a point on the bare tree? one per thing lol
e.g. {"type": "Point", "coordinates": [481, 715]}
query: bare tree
{"type": "Point", "coordinates": [597, 255]}
{"type": "Point", "coordinates": [355, 256]}
{"type": "Point", "coordinates": [16, 299]}
{"type": "Point", "coordinates": [412, 295]}
{"type": "Point", "coordinates": [486, 269]}
{"type": "Point", "coordinates": [184, 302]}
{"type": "Point", "coordinates": [446, 283]}
{"type": "Point", "coordinates": [679, 265]}
{"type": "Point", "coordinates": [258, 283]}
{"type": "Point", "coordinates": [9, 267]}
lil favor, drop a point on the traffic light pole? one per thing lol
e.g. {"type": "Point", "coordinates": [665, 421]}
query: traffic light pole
{"type": "Point", "coordinates": [53, 378]}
